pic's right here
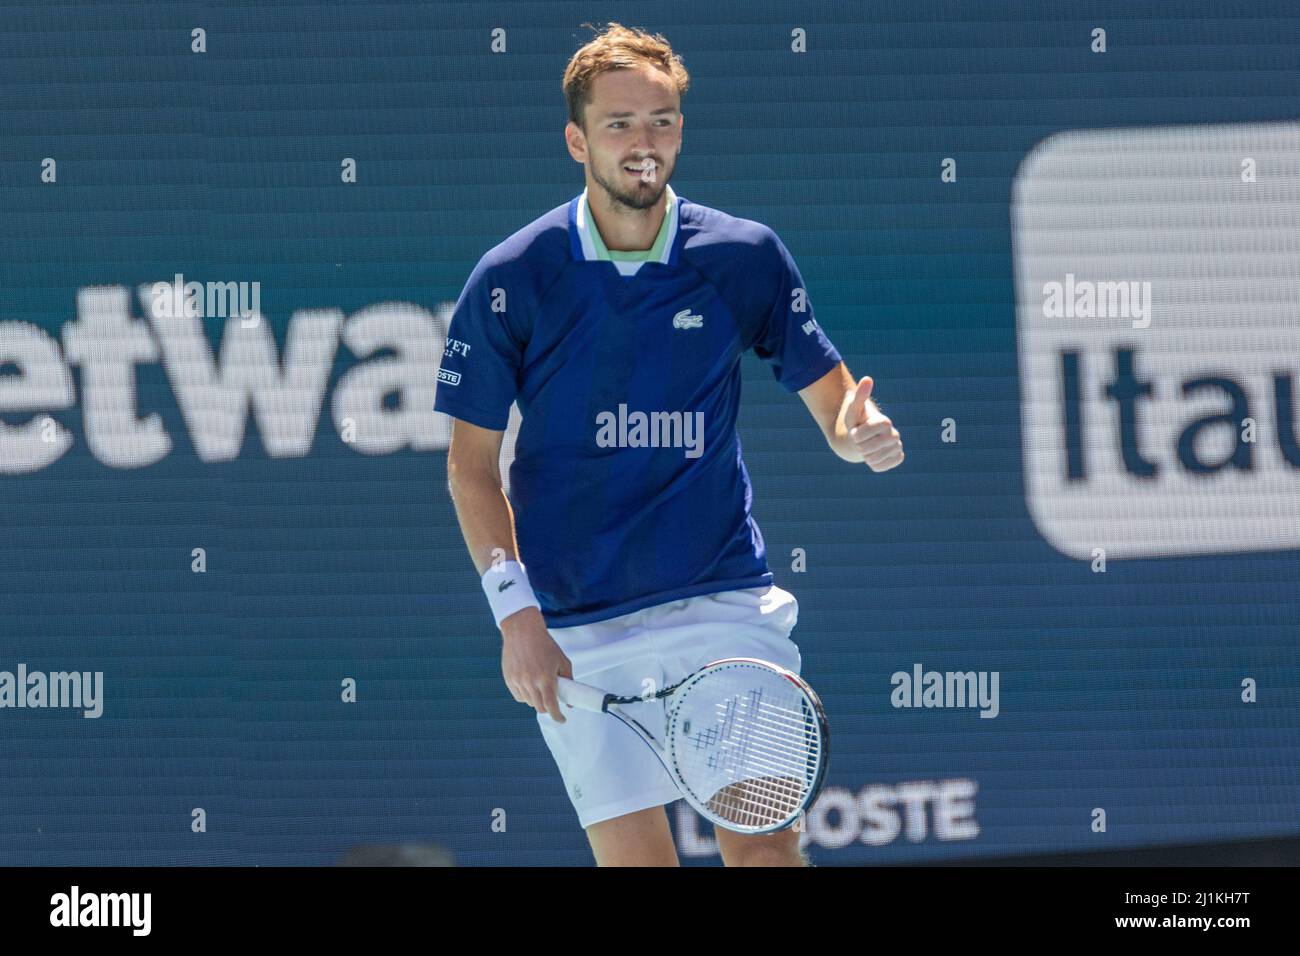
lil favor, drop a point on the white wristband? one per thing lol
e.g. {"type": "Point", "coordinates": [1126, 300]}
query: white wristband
{"type": "Point", "coordinates": [507, 589]}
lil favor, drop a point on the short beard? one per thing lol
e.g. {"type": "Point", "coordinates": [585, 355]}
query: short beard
{"type": "Point", "coordinates": [634, 198]}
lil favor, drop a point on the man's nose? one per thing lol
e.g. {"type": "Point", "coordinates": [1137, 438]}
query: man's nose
{"type": "Point", "coordinates": [644, 142]}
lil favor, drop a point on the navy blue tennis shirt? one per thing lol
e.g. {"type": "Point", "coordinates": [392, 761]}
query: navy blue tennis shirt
{"type": "Point", "coordinates": [628, 487]}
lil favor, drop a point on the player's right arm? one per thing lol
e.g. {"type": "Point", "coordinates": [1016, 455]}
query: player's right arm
{"type": "Point", "coordinates": [530, 658]}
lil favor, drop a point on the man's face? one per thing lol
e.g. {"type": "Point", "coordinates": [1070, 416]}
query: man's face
{"type": "Point", "coordinates": [634, 114]}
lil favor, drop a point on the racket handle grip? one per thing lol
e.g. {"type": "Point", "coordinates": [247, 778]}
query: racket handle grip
{"type": "Point", "coordinates": [582, 696]}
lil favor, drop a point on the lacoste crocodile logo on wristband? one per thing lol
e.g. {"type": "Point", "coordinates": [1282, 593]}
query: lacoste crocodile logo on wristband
{"type": "Point", "coordinates": [503, 585]}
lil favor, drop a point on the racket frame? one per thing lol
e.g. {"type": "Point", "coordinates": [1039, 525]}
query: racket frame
{"type": "Point", "coordinates": [593, 699]}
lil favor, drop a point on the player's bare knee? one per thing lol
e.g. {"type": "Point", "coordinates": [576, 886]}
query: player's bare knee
{"type": "Point", "coordinates": [776, 849]}
{"type": "Point", "coordinates": [767, 856]}
{"type": "Point", "coordinates": [641, 838]}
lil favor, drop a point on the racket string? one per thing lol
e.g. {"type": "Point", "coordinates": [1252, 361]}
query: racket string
{"type": "Point", "coordinates": [748, 747]}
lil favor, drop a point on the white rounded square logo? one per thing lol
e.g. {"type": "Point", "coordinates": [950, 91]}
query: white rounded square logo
{"type": "Point", "coordinates": [1157, 276]}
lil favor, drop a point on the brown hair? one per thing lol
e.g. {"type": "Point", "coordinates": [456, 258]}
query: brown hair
{"type": "Point", "coordinates": [617, 48]}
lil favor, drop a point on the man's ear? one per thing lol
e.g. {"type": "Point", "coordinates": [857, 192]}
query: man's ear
{"type": "Point", "coordinates": [575, 141]}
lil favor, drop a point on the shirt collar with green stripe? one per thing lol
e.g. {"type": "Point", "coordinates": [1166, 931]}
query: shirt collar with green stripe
{"type": "Point", "coordinates": [627, 263]}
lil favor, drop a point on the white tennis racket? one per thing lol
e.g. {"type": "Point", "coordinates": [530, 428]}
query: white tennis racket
{"type": "Point", "coordinates": [746, 741]}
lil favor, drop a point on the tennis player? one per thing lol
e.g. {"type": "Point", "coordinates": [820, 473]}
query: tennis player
{"type": "Point", "coordinates": [625, 555]}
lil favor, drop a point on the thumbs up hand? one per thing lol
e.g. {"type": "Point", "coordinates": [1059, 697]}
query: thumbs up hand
{"type": "Point", "coordinates": [872, 432]}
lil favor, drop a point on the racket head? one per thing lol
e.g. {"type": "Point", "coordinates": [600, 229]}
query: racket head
{"type": "Point", "coordinates": [748, 743]}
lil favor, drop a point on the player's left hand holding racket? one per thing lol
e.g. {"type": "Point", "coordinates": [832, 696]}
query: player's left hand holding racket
{"type": "Point", "coordinates": [746, 741]}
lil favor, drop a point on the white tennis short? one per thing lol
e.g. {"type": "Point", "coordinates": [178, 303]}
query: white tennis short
{"type": "Point", "coordinates": [607, 769]}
